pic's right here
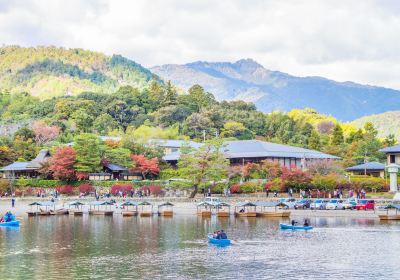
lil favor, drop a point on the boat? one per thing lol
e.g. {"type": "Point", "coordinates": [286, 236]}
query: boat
{"type": "Point", "coordinates": [14, 223]}
{"type": "Point", "coordinates": [219, 242]}
{"type": "Point", "coordinates": [286, 226]}
{"type": "Point", "coordinates": [129, 213]}
{"type": "Point", "coordinates": [61, 211]}
{"type": "Point", "coordinates": [146, 209]}
{"type": "Point", "coordinates": [165, 209]}
{"type": "Point", "coordinates": [100, 211]}
{"type": "Point", "coordinates": [247, 209]}
{"type": "Point", "coordinates": [269, 213]}
{"type": "Point", "coordinates": [204, 209]}
{"type": "Point", "coordinates": [387, 216]}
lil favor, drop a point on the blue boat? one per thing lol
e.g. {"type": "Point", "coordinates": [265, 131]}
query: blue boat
{"type": "Point", "coordinates": [286, 226]}
{"type": "Point", "coordinates": [219, 242]}
{"type": "Point", "coordinates": [14, 223]}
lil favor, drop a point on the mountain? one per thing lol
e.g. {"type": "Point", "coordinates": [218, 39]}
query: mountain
{"type": "Point", "coordinates": [386, 123]}
{"type": "Point", "coordinates": [49, 71]}
{"type": "Point", "coordinates": [273, 90]}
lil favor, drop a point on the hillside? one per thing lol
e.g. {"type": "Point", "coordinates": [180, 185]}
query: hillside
{"type": "Point", "coordinates": [272, 90]}
{"type": "Point", "coordinates": [49, 71]}
{"type": "Point", "coordinates": [386, 123]}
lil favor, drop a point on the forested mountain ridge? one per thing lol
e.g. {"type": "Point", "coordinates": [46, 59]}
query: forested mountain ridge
{"type": "Point", "coordinates": [50, 71]}
{"type": "Point", "coordinates": [273, 90]}
{"type": "Point", "coordinates": [386, 123]}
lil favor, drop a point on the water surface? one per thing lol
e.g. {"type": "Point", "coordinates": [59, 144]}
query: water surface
{"type": "Point", "coordinates": [67, 247]}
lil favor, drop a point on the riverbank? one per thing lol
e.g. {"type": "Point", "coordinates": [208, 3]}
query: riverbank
{"type": "Point", "coordinates": [182, 206]}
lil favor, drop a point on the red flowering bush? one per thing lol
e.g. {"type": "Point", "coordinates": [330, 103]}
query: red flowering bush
{"type": "Point", "coordinates": [235, 188]}
{"type": "Point", "coordinates": [86, 188]}
{"type": "Point", "coordinates": [155, 189]}
{"type": "Point", "coordinates": [82, 176]}
{"type": "Point", "coordinates": [30, 191]}
{"type": "Point", "coordinates": [115, 189]}
{"type": "Point", "coordinates": [66, 189]}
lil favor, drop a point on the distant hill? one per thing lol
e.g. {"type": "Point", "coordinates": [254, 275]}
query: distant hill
{"type": "Point", "coordinates": [51, 71]}
{"type": "Point", "coordinates": [272, 90]}
{"type": "Point", "coordinates": [386, 123]}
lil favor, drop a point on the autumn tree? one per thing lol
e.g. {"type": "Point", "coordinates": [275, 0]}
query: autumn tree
{"type": "Point", "coordinates": [45, 133]}
{"type": "Point", "coordinates": [62, 163]}
{"type": "Point", "coordinates": [145, 165]}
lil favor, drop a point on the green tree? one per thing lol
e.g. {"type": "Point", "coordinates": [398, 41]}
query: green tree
{"type": "Point", "coordinates": [337, 135]}
{"type": "Point", "coordinates": [88, 150]}
{"type": "Point", "coordinates": [120, 156]}
{"type": "Point", "coordinates": [314, 142]}
{"type": "Point", "coordinates": [104, 123]}
{"type": "Point", "coordinates": [171, 96]}
{"type": "Point", "coordinates": [203, 165]}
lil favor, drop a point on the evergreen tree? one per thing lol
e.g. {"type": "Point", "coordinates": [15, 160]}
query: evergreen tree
{"type": "Point", "coordinates": [88, 153]}
{"type": "Point", "coordinates": [170, 95]}
{"type": "Point", "coordinates": [314, 142]}
{"type": "Point", "coordinates": [337, 135]}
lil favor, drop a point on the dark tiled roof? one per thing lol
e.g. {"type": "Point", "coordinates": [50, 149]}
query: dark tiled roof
{"type": "Point", "coordinates": [115, 167]}
{"type": "Point", "coordinates": [392, 149]}
{"type": "Point", "coordinates": [367, 166]}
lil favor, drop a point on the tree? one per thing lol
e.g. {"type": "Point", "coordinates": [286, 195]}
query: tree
{"type": "Point", "coordinates": [314, 142]}
{"type": "Point", "coordinates": [337, 135]}
{"type": "Point", "coordinates": [45, 133]}
{"type": "Point", "coordinates": [83, 119]}
{"type": "Point", "coordinates": [121, 112]}
{"type": "Point", "coordinates": [120, 156]}
{"type": "Point", "coordinates": [237, 130]}
{"type": "Point", "coordinates": [62, 164]}
{"type": "Point", "coordinates": [104, 123]}
{"type": "Point", "coordinates": [88, 149]}
{"type": "Point", "coordinates": [25, 133]}
{"type": "Point", "coordinates": [295, 178]}
{"type": "Point", "coordinates": [205, 164]}
{"type": "Point", "coordinates": [390, 140]}
{"type": "Point", "coordinates": [170, 95]}
{"type": "Point", "coordinates": [145, 166]}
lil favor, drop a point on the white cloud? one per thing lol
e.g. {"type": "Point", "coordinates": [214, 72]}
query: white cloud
{"type": "Point", "coordinates": [342, 40]}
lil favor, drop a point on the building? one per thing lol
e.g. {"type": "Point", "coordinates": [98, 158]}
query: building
{"type": "Point", "coordinates": [375, 169]}
{"type": "Point", "coordinates": [173, 146]}
{"type": "Point", "coordinates": [244, 151]}
{"type": "Point", "coordinates": [115, 172]}
{"type": "Point", "coordinates": [29, 169]}
{"type": "Point", "coordinates": [392, 154]}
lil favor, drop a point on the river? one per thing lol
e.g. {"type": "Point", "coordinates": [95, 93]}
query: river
{"type": "Point", "coordinates": [68, 247]}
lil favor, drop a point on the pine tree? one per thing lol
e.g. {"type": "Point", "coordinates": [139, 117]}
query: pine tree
{"type": "Point", "coordinates": [88, 150]}
{"type": "Point", "coordinates": [337, 135]}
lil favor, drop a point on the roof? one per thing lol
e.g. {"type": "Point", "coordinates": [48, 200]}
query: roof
{"type": "Point", "coordinates": [144, 203]}
{"type": "Point", "coordinates": [17, 166]}
{"type": "Point", "coordinates": [167, 143]}
{"type": "Point", "coordinates": [129, 203]}
{"type": "Point", "coordinates": [392, 149]}
{"type": "Point", "coordinates": [97, 203]}
{"type": "Point", "coordinates": [39, 159]}
{"type": "Point", "coordinates": [115, 167]}
{"type": "Point", "coordinates": [45, 203]}
{"type": "Point", "coordinates": [205, 203]}
{"type": "Point", "coordinates": [75, 203]}
{"type": "Point", "coordinates": [267, 203]}
{"type": "Point", "coordinates": [367, 166]}
{"type": "Point", "coordinates": [261, 149]}
{"type": "Point", "coordinates": [393, 206]}
{"type": "Point", "coordinates": [165, 204]}
{"type": "Point", "coordinates": [110, 138]}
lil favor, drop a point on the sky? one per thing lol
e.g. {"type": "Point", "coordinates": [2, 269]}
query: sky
{"type": "Point", "coordinates": [344, 40]}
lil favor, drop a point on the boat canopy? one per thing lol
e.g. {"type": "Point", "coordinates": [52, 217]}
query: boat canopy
{"type": "Point", "coordinates": [98, 203]}
{"type": "Point", "coordinates": [205, 203]}
{"type": "Point", "coordinates": [129, 203]}
{"type": "Point", "coordinates": [45, 203]}
{"type": "Point", "coordinates": [268, 203]}
{"type": "Point", "coordinates": [393, 206]}
{"type": "Point", "coordinates": [222, 204]}
{"type": "Point", "coordinates": [144, 203]}
{"type": "Point", "coordinates": [75, 203]}
{"type": "Point", "coordinates": [246, 204]}
{"type": "Point", "coordinates": [165, 204]}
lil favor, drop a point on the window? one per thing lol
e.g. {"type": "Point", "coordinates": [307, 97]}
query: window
{"type": "Point", "coordinates": [392, 159]}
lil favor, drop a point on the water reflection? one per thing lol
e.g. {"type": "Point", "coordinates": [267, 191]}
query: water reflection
{"type": "Point", "coordinates": [157, 247]}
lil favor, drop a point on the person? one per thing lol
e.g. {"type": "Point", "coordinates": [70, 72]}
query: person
{"type": "Point", "coordinates": [223, 234]}
{"type": "Point", "coordinates": [241, 210]}
{"type": "Point", "coordinates": [267, 192]}
{"type": "Point", "coordinates": [306, 224]}
{"type": "Point", "coordinates": [13, 202]}
{"type": "Point", "coordinates": [294, 222]}
{"type": "Point", "coordinates": [8, 217]}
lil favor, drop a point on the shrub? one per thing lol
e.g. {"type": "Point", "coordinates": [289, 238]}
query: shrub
{"type": "Point", "coordinates": [30, 191]}
{"type": "Point", "coordinates": [180, 185]}
{"type": "Point", "coordinates": [327, 182]}
{"type": "Point", "coordinates": [219, 188]}
{"type": "Point", "coordinates": [4, 184]}
{"type": "Point", "coordinates": [124, 188]}
{"type": "Point", "coordinates": [235, 188]}
{"type": "Point", "coordinates": [37, 183]}
{"type": "Point", "coordinates": [249, 187]}
{"type": "Point", "coordinates": [155, 189]}
{"type": "Point", "coordinates": [66, 189]}
{"type": "Point", "coordinates": [86, 188]}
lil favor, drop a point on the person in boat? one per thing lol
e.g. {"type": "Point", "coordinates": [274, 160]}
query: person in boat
{"type": "Point", "coordinates": [241, 210]}
{"type": "Point", "coordinates": [294, 222]}
{"type": "Point", "coordinates": [223, 235]}
{"type": "Point", "coordinates": [8, 217]}
{"type": "Point", "coordinates": [306, 223]}
{"type": "Point", "coordinates": [216, 234]}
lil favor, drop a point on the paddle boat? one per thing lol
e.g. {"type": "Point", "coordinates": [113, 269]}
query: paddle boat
{"type": "Point", "coordinates": [245, 209]}
{"type": "Point", "coordinates": [286, 226]}
{"type": "Point", "coordinates": [146, 209]}
{"type": "Point", "coordinates": [388, 216]}
{"type": "Point", "coordinates": [101, 208]}
{"type": "Point", "coordinates": [129, 213]}
{"type": "Point", "coordinates": [266, 207]}
{"type": "Point", "coordinates": [222, 209]}
{"type": "Point", "coordinates": [204, 209]}
{"type": "Point", "coordinates": [77, 208]}
{"type": "Point", "coordinates": [219, 242]}
{"type": "Point", "coordinates": [14, 223]}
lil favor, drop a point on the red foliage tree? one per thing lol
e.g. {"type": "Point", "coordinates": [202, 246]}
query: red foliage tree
{"type": "Point", "coordinates": [145, 166]}
{"type": "Point", "coordinates": [86, 188]}
{"type": "Point", "coordinates": [124, 188]}
{"type": "Point", "coordinates": [155, 189]}
{"type": "Point", "coordinates": [66, 189]}
{"type": "Point", "coordinates": [62, 164]}
{"type": "Point", "coordinates": [295, 178]}
{"type": "Point", "coordinates": [82, 176]}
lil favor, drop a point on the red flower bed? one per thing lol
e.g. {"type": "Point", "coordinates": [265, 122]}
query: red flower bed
{"type": "Point", "coordinates": [115, 189]}
{"type": "Point", "coordinates": [66, 189]}
{"type": "Point", "coordinates": [86, 188]}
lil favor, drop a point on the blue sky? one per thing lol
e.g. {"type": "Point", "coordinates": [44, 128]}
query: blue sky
{"type": "Point", "coordinates": [341, 40]}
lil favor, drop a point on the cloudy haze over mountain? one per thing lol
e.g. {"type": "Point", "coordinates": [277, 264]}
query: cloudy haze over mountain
{"type": "Point", "coordinates": [340, 40]}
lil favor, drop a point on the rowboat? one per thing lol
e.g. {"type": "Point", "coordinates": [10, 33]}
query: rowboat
{"type": "Point", "coordinates": [14, 223]}
{"type": "Point", "coordinates": [219, 242]}
{"type": "Point", "coordinates": [286, 226]}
